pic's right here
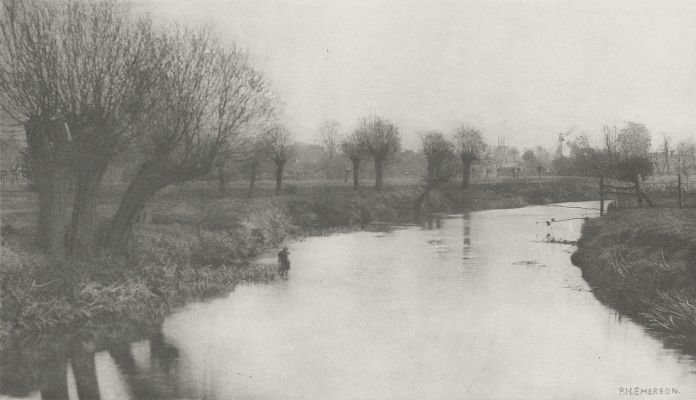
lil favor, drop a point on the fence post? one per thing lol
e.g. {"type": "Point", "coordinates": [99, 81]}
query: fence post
{"type": "Point", "coordinates": [601, 195]}
{"type": "Point", "coordinates": [679, 184]}
{"type": "Point", "coordinates": [638, 196]}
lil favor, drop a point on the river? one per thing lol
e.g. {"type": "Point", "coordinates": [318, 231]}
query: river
{"type": "Point", "coordinates": [473, 306]}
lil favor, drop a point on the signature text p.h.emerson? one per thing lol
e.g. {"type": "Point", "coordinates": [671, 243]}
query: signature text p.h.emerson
{"type": "Point", "coordinates": [646, 391]}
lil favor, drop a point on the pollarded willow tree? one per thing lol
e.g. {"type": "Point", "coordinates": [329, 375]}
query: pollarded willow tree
{"type": "Point", "coordinates": [382, 141]}
{"type": "Point", "coordinates": [633, 143]}
{"type": "Point", "coordinates": [353, 147]}
{"type": "Point", "coordinates": [207, 99]}
{"type": "Point", "coordinates": [76, 74]}
{"type": "Point", "coordinates": [329, 136]}
{"type": "Point", "coordinates": [330, 139]}
{"type": "Point", "coordinates": [279, 147]}
{"type": "Point", "coordinates": [255, 154]}
{"type": "Point", "coordinates": [442, 163]}
{"type": "Point", "coordinates": [469, 146]}
{"type": "Point", "coordinates": [439, 154]}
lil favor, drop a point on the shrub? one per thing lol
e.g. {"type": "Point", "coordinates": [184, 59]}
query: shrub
{"type": "Point", "coordinates": [631, 168]}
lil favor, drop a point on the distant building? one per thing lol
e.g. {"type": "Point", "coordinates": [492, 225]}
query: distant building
{"type": "Point", "coordinates": [491, 169]}
{"type": "Point", "coordinates": [510, 170]}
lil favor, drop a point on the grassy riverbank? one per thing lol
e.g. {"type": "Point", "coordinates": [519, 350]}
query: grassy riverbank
{"type": "Point", "coordinates": [200, 242]}
{"type": "Point", "coordinates": [643, 263]}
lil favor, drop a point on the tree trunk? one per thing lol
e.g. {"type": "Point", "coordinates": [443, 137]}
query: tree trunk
{"type": "Point", "coordinates": [53, 377]}
{"type": "Point", "coordinates": [279, 177]}
{"type": "Point", "coordinates": [84, 370]}
{"type": "Point", "coordinates": [356, 173]}
{"type": "Point", "coordinates": [152, 177]}
{"type": "Point", "coordinates": [133, 202]}
{"type": "Point", "coordinates": [83, 229]}
{"type": "Point", "coordinates": [49, 163]}
{"type": "Point", "coordinates": [466, 170]}
{"type": "Point", "coordinates": [252, 180]}
{"type": "Point", "coordinates": [55, 199]}
{"type": "Point", "coordinates": [378, 173]}
{"type": "Point", "coordinates": [222, 179]}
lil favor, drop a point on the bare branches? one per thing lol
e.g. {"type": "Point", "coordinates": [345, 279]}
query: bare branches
{"type": "Point", "coordinates": [469, 143]}
{"type": "Point", "coordinates": [381, 141]}
{"type": "Point", "coordinates": [381, 137]}
{"type": "Point", "coordinates": [610, 136]}
{"type": "Point", "coordinates": [85, 61]}
{"type": "Point", "coordinates": [277, 140]}
{"type": "Point", "coordinates": [353, 146]}
{"type": "Point", "coordinates": [329, 135]}
{"type": "Point", "coordinates": [634, 140]}
{"type": "Point", "coordinates": [208, 100]}
{"type": "Point", "coordinates": [439, 153]}
{"type": "Point", "coordinates": [91, 81]}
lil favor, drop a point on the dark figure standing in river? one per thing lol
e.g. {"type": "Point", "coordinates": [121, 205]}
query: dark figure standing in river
{"type": "Point", "coordinates": [283, 262]}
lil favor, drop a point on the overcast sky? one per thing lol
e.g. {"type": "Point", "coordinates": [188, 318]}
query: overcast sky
{"type": "Point", "coordinates": [524, 70]}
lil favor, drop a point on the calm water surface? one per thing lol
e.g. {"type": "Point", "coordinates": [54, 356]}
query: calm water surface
{"type": "Point", "coordinates": [472, 306]}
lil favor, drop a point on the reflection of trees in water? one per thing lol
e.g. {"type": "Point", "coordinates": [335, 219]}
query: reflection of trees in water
{"type": "Point", "coordinates": [53, 380]}
{"type": "Point", "coordinates": [160, 380]}
{"type": "Point", "coordinates": [466, 237]}
{"type": "Point", "coordinates": [433, 223]}
{"type": "Point", "coordinates": [84, 369]}
{"type": "Point", "coordinates": [23, 371]}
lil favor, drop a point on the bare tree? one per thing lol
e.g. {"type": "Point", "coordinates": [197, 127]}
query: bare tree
{"type": "Point", "coordinates": [353, 147]}
{"type": "Point", "coordinates": [439, 154]}
{"type": "Point", "coordinates": [206, 98]}
{"type": "Point", "coordinates": [687, 154]}
{"type": "Point", "coordinates": [382, 141]}
{"type": "Point", "coordinates": [442, 163]}
{"type": "Point", "coordinates": [610, 136]}
{"type": "Point", "coordinates": [256, 153]}
{"type": "Point", "coordinates": [278, 141]}
{"type": "Point", "coordinates": [665, 149]}
{"type": "Point", "coordinates": [634, 140]}
{"type": "Point", "coordinates": [469, 146]}
{"type": "Point", "coordinates": [74, 73]}
{"type": "Point", "coordinates": [329, 134]}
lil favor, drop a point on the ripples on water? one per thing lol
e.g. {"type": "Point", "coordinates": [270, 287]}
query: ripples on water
{"type": "Point", "coordinates": [474, 306]}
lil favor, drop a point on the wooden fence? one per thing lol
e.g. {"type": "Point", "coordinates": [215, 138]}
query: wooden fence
{"type": "Point", "coordinates": [625, 194]}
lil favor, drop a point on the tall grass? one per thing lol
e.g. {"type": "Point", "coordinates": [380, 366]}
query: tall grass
{"type": "Point", "coordinates": [167, 265]}
{"type": "Point", "coordinates": [643, 262]}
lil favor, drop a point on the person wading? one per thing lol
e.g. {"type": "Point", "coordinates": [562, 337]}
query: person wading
{"type": "Point", "coordinates": [283, 262]}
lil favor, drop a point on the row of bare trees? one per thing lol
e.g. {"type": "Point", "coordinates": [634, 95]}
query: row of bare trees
{"type": "Point", "coordinates": [374, 137]}
{"type": "Point", "coordinates": [91, 83]}
{"type": "Point", "coordinates": [379, 139]}
{"type": "Point", "coordinates": [444, 155]}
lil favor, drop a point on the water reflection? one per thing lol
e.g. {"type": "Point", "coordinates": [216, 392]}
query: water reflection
{"type": "Point", "coordinates": [466, 236]}
{"type": "Point", "coordinates": [476, 306]}
{"type": "Point", "coordinates": [156, 376]}
{"type": "Point", "coordinates": [141, 370]}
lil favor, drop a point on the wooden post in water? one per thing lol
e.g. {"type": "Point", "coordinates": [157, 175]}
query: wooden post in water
{"type": "Point", "coordinates": [679, 184]}
{"type": "Point", "coordinates": [601, 195]}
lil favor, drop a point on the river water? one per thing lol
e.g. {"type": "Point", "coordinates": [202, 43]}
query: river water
{"type": "Point", "coordinates": [471, 306]}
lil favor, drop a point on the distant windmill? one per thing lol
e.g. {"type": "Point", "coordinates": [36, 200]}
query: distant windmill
{"type": "Point", "coordinates": [561, 139]}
